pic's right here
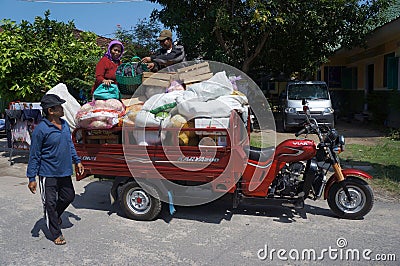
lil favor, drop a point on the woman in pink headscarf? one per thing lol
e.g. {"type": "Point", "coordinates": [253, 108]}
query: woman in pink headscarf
{"type": "Point", "coordinates": [108, 64]}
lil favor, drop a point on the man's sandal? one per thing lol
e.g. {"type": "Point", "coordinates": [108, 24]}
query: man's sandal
{"type": "Point", "coordinates": [60, 240]}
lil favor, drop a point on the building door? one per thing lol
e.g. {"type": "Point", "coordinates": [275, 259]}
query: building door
{"type": "Point", "coordinates": [393, 73]}
{"type": "Point", "coordinates": [370, 78]}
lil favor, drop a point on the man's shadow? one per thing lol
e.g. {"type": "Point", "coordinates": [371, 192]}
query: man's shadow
{"type": "Point", "coordinates": [41, 225]}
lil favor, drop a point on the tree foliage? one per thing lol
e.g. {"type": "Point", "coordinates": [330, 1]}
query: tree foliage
{"type": "Point", "coordinates": [275, 36]}
{"type": "Point", "coordinates": [393, 12]}
{"type": "Point", "coordinates": [37, 56]}
{"type": "Point", "coordinates": [140, 39]}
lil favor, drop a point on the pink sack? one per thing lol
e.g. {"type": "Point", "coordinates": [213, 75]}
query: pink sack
{"type": "Point", "coordinates": [100, 114]}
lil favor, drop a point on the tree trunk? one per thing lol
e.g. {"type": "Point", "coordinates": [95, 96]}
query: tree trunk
{"type": "Point", "coordinates": [249, 59]}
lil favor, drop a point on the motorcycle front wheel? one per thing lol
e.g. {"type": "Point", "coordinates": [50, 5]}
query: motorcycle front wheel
{"type": "Point", "coordinates": [362, 198]}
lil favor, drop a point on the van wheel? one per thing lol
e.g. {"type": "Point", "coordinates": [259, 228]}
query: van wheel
{"type": "Point", "coordinates": [138, 204]}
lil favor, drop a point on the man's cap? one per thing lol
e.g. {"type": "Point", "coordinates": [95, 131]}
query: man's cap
{"type": "Point", "coordinates": [50, 100]}
{"type": "Point", "coordinates": [164, 35]}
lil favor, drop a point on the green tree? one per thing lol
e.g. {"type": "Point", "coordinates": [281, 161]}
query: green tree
{"type": "Point", "coordinates": [34, 57]}
{"type": "Point", "coordinates": [269, 36]}
{"type": "Point", "coordinates": [140, 39]}
{"type": "Point", "coordinates": [393, 12]}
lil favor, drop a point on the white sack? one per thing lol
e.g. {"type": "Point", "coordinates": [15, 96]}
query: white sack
{"type": "Point", "coordinates": [218, 85]}
{"type": "Point", "coordinates": [146, 119]}
{"type": "Point", "coordinates": [158, 100]}
{"type": "Point", "coordinates": [146, 137]}
{"type": "Point", "coordinates": [194, 108]}
{"type": "Point", "coordinates": [71, 105]}
{"type": "Point", "coordinates": [235, 102]}
{"type": "Point", "coordinates": [186, 95]}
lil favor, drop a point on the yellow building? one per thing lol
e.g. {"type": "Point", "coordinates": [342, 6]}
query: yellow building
{"type": "Point", "coordinates": [364, 82]}
{"type": "Point", "coordinates": [373, 68]}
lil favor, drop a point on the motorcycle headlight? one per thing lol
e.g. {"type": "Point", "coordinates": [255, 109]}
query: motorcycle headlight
{"type": "Point", "coordinates": [290, 110]}
{"type": "Point", "coordinates": [328, 110]}
{"type": "Point", "coordinates": [341, 140]}
{"type": "Point", "coordinates": [339, 144]}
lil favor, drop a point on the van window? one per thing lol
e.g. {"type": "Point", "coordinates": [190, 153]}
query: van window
{"type": "Point", "coordinates": [307, 91]}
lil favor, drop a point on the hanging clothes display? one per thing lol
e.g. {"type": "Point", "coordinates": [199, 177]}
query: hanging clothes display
{"type": "Point", "coordinates": [20, 120]}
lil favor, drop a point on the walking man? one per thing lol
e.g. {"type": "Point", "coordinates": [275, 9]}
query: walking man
{"type": "Point", "coordinates": [50, 157]}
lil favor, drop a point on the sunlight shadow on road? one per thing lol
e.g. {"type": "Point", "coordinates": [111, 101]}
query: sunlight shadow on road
{"type": "Point", "coordinates": [283, 214]}
{"type": "Point", "coordinates": [96, 196]}
{"type": "Point", "coordinates": [40, 225]}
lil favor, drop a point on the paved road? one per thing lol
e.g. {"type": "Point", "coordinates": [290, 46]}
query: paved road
{"type": "Point", "coordinates": [207, 235]}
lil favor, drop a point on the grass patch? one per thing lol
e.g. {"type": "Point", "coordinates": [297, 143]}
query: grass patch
{"type": "Point", "coordinates": [255, 142]}
{"type": "Point", "coordinates": [384, 159]}
{"type": "Point", "coordinates": [388, 185]}
{"type": "Point", "coordinates": [262, 139]}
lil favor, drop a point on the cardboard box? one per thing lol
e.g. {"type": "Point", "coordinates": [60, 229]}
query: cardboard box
{"type": "Point", "coordinates": [214, 123]}
{"type": "Point", "coordinates": [195, 73]}
{"type": "Point", "coordinates": [158, 79]}
{"type": "Point", "coordinates": [188, 75]}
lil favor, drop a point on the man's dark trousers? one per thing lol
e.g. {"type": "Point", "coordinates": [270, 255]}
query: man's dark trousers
{"type": "Point", "coordinates": [57, 193]}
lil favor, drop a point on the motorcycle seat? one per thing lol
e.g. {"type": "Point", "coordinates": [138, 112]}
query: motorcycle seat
{"type": "Point", "coordinates": [260, 154]}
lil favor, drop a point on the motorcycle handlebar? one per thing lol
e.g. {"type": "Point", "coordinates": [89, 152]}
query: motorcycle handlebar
{"type": "Point", "coordinates": [302, 131]}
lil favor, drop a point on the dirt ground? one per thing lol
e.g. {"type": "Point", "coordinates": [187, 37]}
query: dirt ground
{"type": "Point", "coordinates": [355, 132]}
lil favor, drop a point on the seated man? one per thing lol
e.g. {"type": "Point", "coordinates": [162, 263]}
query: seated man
{"type": "Point", "coordinates": [167, 55]}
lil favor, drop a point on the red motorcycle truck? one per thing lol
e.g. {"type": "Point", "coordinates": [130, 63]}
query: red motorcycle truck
{"type": "Point", "coordinates": [288, 174]}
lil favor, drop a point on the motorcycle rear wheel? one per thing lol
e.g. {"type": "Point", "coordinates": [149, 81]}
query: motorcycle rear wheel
{"type": "Point", "coordinates": [361, 203]}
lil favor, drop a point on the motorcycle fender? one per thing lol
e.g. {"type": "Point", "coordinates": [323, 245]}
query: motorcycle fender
{"type": "Point", "coordinates": [346, 173]}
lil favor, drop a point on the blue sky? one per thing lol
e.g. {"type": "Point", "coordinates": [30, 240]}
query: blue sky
{"type": "Point", "coordinates": [98, 16]}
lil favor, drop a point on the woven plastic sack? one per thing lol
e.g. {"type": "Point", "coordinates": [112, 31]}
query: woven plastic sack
{"type": "Point", "coordinates": [100, 114]}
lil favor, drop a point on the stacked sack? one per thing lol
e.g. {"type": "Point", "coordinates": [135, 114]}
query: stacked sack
{"type": "Point", "coordinates": [178, 107]}
{"type": "Point", "coordinates": [131, 112]}
{"type": "Point", "coordinates": [100, 114]}
{"type": "Point", "coordinates": [213, 98]}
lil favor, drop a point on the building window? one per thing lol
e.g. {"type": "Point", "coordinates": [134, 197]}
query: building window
{"type": "Point", "coordinates": [387, 67]}
{"type": "Point", "coordinates": [341, 77]}
{"type": "Point", "coordinates": [333, 76]}
{"type": "Point", "coordinates": [391, 70]}
{"type": "Point", "coordinates": [349, 78]}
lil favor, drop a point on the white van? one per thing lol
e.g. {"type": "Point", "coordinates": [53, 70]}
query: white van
{"type": "Point", "coordinates": [319, 100]}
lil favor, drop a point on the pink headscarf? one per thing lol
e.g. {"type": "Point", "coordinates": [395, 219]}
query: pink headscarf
{"type": "Point", "coordinates": [110, 45]}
